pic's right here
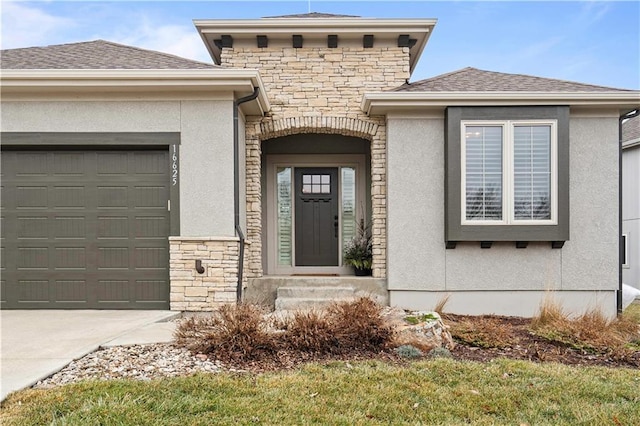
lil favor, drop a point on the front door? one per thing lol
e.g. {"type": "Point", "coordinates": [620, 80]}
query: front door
{"type": "Point", "coordinates": [316, 216]}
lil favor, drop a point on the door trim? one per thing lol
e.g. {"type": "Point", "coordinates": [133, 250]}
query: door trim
{"type": "Point", "coordinates": [269, 221]}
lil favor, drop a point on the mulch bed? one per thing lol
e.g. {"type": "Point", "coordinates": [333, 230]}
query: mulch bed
{"type": "Point", "coordinates": [519, 343]}
{"type": "Point", "coordinates": [522, 344]}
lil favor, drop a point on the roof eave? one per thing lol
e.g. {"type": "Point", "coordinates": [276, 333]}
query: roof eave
{"type": "Point", "coordinates": [320, 26]}
{"type": "Point", "coordinates": [383, 103]}
{"type": "Point", "coordinates": [241, 82]}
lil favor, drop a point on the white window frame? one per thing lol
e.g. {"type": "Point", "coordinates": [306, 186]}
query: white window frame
{"type": "Point", "coordinates": [508, 179]}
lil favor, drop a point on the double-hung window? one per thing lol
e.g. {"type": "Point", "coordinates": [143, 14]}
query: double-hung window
{"type": "Point", "coordinates": [509, 172]}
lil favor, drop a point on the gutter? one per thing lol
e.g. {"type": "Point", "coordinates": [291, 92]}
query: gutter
{"type": "Point", "coordinates": [630, 114]}
{"type": "Point", "coordinates": [236, 187]}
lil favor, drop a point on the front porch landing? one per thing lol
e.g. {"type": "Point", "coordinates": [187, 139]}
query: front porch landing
{"type": "Point", "coordinates": [313, 290]}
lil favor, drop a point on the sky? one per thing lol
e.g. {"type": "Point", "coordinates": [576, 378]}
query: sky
{"type": "Point", "coordinates": [595, 42]}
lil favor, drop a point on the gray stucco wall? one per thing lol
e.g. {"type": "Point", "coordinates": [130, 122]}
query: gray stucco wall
{"type": "Point", "coordinates": [419, 261]}
{"type": "Point", "coordinates": [206, 150]}
{"type": "Point", "coordinates": [631, 214]}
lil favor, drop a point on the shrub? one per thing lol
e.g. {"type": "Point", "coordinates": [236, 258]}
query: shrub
{"type": "Point", "coordinates": [233, 332]}
{"type": "Point", "coordinates": [408, 351]}
{"type": "Point", "coordinates": [309, 331]}
{"type": "Point", "coordinates": [592, 330]}
{"type": "Point", "coordinates": [358, 325]}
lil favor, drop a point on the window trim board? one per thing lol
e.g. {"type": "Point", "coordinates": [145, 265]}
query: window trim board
{"type": "Point", "coordinates": [508, 186]}
{"type": "Point", "coordinates": [455, 231]}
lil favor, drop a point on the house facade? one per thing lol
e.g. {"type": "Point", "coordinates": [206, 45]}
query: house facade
{"type": "Point", "coordinates": [202, 184]}
{"type": "Point", "coordinates": [631, 202]}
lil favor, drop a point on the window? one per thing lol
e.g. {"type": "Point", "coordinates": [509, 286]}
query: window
{"type": "Point", "coordinates": [508, 172]}
{"type": "Point", "coordinates": [625, 248]}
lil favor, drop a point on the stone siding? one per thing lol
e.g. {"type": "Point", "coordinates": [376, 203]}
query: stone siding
{"type": "Point", "coordinates": [191, 291]}
{"type": "Point", "coordinates": [318, 81]}
{"type": "Point", "coordinates": [319, 90]}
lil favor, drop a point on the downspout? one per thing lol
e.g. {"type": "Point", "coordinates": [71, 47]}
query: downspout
{"type": "Point", "coordinates": [630, 114]}
{"type": "Point", "coordinates": [236, 187]}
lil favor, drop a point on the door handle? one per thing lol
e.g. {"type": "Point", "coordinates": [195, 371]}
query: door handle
{"type": "Point", "coordinates": [335, 225]}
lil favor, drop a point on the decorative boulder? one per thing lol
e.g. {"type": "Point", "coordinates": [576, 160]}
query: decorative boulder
{"type": "Point", "coordinates": [423, 329]}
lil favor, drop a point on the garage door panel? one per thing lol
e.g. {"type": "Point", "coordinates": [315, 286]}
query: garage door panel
{"type": "Point", "coordinates": [31, 164]}
{"type": "Point", "coordinates": [69, 227]}
{"type": "Point", "coordinates": [113, 227]}
{"type": "Point", "coordinates": [70, 258]}
{"type": "Point", "coordinates": [151, 258]}
{"type": "Point", "coordinates": [69, 197]}
{"type": "Point", "coordinates": [33, 258]}
{"type": "Point", "coordinates": [85, 229]}
{"type": "Point", "coordinates": [71, 291]}
{"type": "Point", "coordinates": [150, 197]}
{"type": "Point", "coordinates": [151, 290]}
{"type": "Point", "coordinates": [34, 291]}
{"type": "Point", "coordinates": [32, 197]}
{"type": "Point", "coordinates": [151, 227]}
{"type": "Point", "coordinates": [33, 227]}
{"type": "Point", "coordinates": [69, 163]}
{"type": "Point", "coordinates": [113, 197]}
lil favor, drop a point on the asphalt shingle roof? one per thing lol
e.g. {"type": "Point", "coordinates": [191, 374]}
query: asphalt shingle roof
{"type": "Point", "coordinates": [98, 54]}
{"type": "Point", "coordinates": [475, 80]}
{"type": "Point", "coordinates": [631, 129]}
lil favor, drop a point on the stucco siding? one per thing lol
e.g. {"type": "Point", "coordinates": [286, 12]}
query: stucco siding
{"type": "Point", "coordinates": [207, 169]}
{"type": "Point", "coordinates": [503, 267]}
{"type": "Point", "coordinates": [206, 145]}
{"type": "Point", "coordinates": [91, 116]}
{"type": "Point", "coordinates": [590, 257]}
{"type": "Point", "coordinates": [415, 203]}
{"type": "Point", "coordinates": [631, 214]}
{"type": "Point", "coordinates": [419, 261]}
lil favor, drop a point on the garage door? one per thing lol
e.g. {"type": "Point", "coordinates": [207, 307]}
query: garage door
{"type": "Point", "coordinates": [85, 229]}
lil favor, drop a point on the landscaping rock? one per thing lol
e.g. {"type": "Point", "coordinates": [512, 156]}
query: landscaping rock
{"type": "Point", "coordinates": [423, 330]}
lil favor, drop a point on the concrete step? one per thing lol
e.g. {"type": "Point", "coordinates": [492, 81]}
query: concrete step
{"type": "Point", "coordinates": [293, 298]}
{"type": "Point", "coordinates": [298, 303]}
{"type": "Point", "coordinates": [315, 292]}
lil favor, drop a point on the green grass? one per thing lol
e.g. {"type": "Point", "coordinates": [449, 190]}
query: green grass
{"type": "Point", "coordinates": [426, 392]}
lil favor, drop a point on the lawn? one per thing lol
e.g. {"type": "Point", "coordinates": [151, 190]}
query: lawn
{"type": "Point", "coordinates": [441, 391]}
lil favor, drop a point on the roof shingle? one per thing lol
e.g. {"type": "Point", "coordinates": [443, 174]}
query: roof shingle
{"type": "Point", "coordinates": [475, 80]}
{"type": "Point", "coordinates": [631, 129]}
{"type": "Point", "coordinates": [97, 54]}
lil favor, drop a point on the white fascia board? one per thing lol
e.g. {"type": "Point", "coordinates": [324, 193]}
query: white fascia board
{"type": "Point", "coordinates": [383, 103]}
{"type": "Point", "coordinates": [239, 81]}
{"type": "Point", "coordinates": [315, 25]}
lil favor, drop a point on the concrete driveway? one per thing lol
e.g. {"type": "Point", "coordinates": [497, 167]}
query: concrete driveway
{"type": "Point", "coordinates": [38, 343]}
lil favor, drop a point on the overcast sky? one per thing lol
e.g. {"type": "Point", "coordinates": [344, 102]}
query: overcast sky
{"type": "Point", "coordinates": [594, 42]}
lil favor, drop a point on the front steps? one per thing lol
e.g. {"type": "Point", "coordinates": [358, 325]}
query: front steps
{"type": "Point", "coordinates": [302, 292]}
{"type": "Point", "coordinates": [294, 298]}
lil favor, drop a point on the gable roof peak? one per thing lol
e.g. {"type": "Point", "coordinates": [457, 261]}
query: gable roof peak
{"type": "Point", "coordinates": [312, 15]}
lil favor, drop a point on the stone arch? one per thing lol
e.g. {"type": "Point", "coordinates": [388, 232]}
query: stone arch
{"type": "Point", "coordinates": [321, 124]}
{"type": "Point", "coordinates": [259, 129]}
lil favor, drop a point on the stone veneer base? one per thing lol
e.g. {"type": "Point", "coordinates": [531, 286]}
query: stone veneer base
{"type": "Point", "coordinates": [216, 286]}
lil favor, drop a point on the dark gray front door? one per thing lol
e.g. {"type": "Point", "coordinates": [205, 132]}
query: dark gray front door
{"type": "Point", "coordinates": [316, 216]}
{"type": "Point", "coordinates": [85, 229]}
